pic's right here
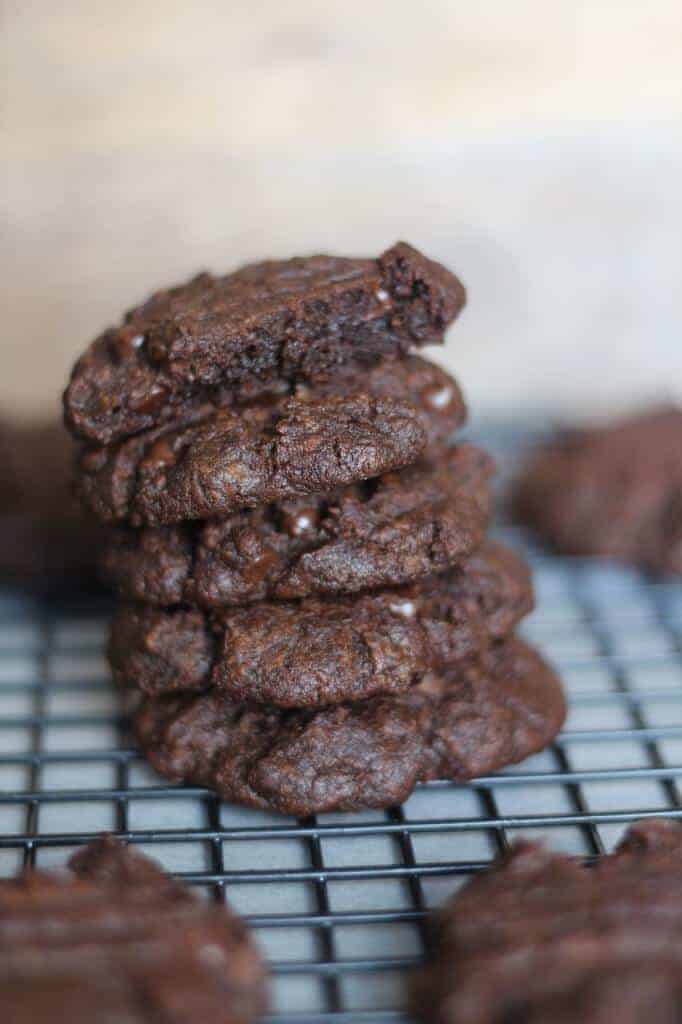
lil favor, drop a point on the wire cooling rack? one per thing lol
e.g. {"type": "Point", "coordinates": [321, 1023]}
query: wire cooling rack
{"type": "Point", "coordinates": [338, 901]}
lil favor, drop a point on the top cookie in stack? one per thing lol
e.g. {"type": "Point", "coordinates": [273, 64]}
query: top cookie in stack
{"type": "Point", "coordinates": [267, 445]}
{"type": "Point", "coordinates": [255, 333]}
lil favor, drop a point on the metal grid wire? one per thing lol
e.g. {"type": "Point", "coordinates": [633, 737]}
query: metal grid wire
{"type": "Point", "coordinates": [338, 901]}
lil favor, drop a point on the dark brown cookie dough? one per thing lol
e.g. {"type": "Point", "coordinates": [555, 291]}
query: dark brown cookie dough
{"type": "Point", "coordinates": [473, 718]}
{"type": "Point", "coordinates": [391, 530]}
{"type": "Point", "coordinates": [613, 491]}
{"type": "Point", "coordinates": [45, 539]}
{"type": "Point", "coordinates": [325, 651]}
{"type": "Point", "coordinates": [255, 331]}
{"type": "Point", "coordinates": [256, 456]}
{"type": "Point", "coordinates": [543, 938]}
{"type": "Point", "coordinates": [115, 939]}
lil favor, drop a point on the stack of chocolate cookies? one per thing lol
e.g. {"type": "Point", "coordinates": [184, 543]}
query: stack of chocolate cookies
{"type": "Point", "coordinates": [313, 619]}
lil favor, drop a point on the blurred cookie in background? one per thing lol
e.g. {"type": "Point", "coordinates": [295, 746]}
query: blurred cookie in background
{"type": "Point", "coordinates": [612, 491]}
{"type": "Point", "coordinates": [112, 938]}
{"type": "Point", "coordinates": [542, 937]}
{"type": "Point", "coordinates": [45, 541]}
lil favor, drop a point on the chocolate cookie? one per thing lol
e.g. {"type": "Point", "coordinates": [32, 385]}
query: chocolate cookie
{"type": "Point", "coordinates": [117, 940]}
{"type": "Point", "coordinates": [108, 477]}
{"type": "Point", "coordinates": [391, 530]}
{"type": "Point", "coordinates": [253, 332]}
{"type": "Point", "coordinates": [470, 719]}
{"type": "Point", "coordinates": [325, 651]}
{"type": "Point", "coordinates": [614, 491]}
{"type": "Point", "coordinates": [45, 539]}
{"type": "Point", "coordinates": [543, 938]}
{"type": "Point", "coordinates": [259, 455]}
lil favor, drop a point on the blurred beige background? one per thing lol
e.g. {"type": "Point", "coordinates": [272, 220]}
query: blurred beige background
{"type": "Point", "coordinates": [534, 146]}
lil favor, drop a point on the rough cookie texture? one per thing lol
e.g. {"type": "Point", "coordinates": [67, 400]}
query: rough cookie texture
{"type": "Point", "coordinates": [107, 475]}
{"type": "Point", "coordinates": [115, 939]}
{"type": "Point", "coordinates": [470, 719]}
{"type": "Point", "coordinates": [161, 651]}
{"type": "Point", "coordinates": [45, 540]}
{"type": "Point", "coordinates": [543, 938]}
{"type": "Point", "coordinates": [253, 332]}
{"type": "Point", "coordinates": [258, 455]}
{"type": "Point", "coordinates": [391, 530]}
{"type": "Point", "coordinates": [435, 394]}
{"type": "Point", "coordinates": [614, 491]}
{"type": "Point", "coordinates": [325, 651]}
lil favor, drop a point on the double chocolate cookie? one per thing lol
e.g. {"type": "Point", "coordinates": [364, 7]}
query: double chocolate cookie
{"type": "Point", "coordinates": [470, 719]}
{"type": "Point", "coordinates": [614, 492]}
{"type": "Point", "coordinates": [217, 461]}
{"type": "Point", "coordinates": [541, 937]}
{"type": "Point", "coordinates": [325, 651]}
{"type": "Point", "coordinates": [255, 331]}
{"type": "Point", "coordinates": [387, 531]}
{"type": "Point", "coordinates": [239, 460]}
{"type": "Point", "coordinates": [114, 940]}
{"type": "Point", "coordinates": [314, 620]}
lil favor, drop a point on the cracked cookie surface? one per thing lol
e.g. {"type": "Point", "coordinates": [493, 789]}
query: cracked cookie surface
{"type": "Point", "coordinates": [231, 460]}
{"type": "Point", "coordinates": [321, 651]}
{"type": "Point", "coordinates": [459, 723]}
{"type": "Point", "coordinates": [216, 461]}
{"type": "Point", "coordinates": [389, 531]}
{"type": "Point", "coordinates": [253, 332]}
